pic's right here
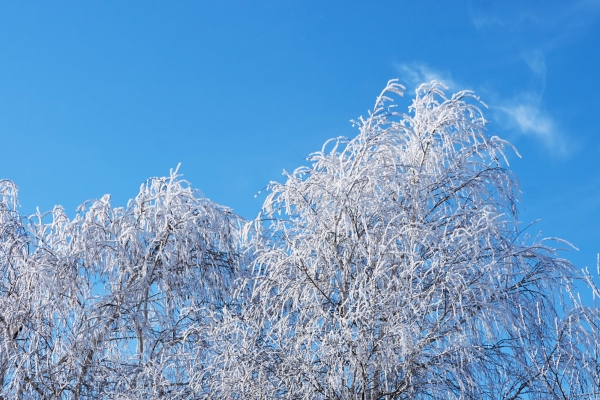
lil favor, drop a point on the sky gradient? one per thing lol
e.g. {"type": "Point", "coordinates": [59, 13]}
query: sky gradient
{"type": "Point", "coordinates": [97, 97]}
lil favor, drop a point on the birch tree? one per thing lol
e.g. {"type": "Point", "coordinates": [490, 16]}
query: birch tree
{"type": "Point", "coordinates": [112, 303]}
{"type": "Point", "coordinates": [393, 266]}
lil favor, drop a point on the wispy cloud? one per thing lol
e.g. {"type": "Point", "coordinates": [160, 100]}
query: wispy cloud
{"type": "Point", "coordinates": [526, 114]}
{"type": "Point", "coordinates": [537, 64]}
{"type": "Point", "coordinates": [522, 114]}
{"type": "Point", "coordinates": [543, 29]}
{"type": "Point", "coordinates": [559, 21]}
{"type": "Point", "coordinates": [530, 119]}
{"type": "Point", "coordinates": [415, 73]}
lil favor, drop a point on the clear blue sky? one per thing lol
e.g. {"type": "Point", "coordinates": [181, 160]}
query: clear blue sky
{"type": "Point", "coordinates": [96, 97]}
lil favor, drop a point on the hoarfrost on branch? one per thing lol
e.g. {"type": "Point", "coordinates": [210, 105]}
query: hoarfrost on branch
{"type": "Point", "coordinates": [391, 267]}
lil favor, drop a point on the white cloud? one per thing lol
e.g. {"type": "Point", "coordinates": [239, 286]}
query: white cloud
{"type": "Point", "coordinates": [522, 114]}
{"type": "Point", "coordinates": [537, 63]}
{"type": "Point", "coordinates": [527, 116]}
{"type": "Point", "coordinates": [559, 21]}
{"type": "Point", "coordinates": [415, 73]}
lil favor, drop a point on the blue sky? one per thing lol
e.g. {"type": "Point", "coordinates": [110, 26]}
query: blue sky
{"type": "Point", "coordinates": [96, 97]}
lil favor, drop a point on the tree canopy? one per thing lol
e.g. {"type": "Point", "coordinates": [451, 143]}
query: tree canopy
{"type": "Point", "coordinates": [393, 266]}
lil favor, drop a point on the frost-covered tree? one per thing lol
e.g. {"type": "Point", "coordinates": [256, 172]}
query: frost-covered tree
{"type": "Point", "coordinates": [112, 303]}
{"type": "Point", "coordinates": [392, 267]}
